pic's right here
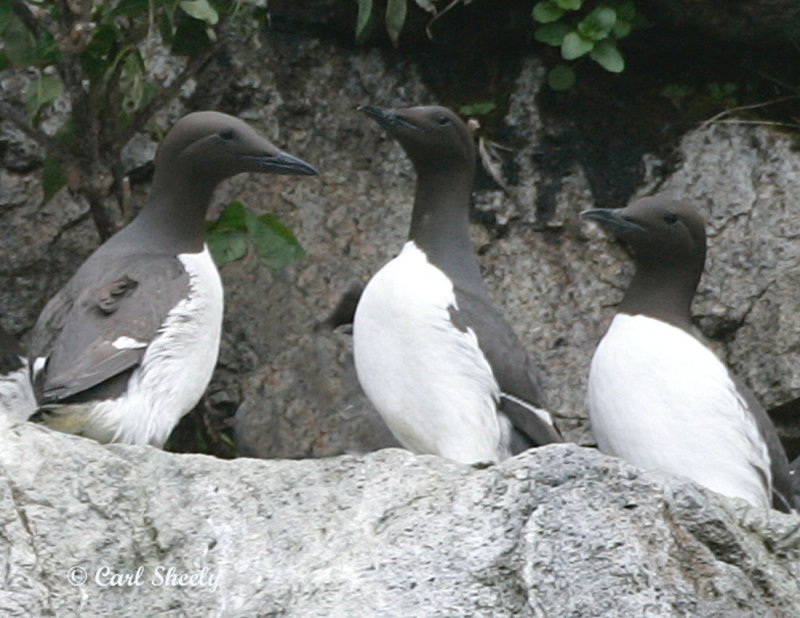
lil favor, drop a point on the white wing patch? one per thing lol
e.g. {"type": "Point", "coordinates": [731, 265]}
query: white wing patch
{"type": "Point", "coordinates": [128, 343]}
{"type": "Point", "coordinates": [660, 399]}
{"type": "Point", "coordinates": [39, 363]}
{"type": "Point", "coordinates": [429, 380]}
{"type": "Point", "coordinates": [542, 414]}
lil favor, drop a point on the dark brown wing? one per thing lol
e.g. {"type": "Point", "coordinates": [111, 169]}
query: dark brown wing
{"type": "Point", "coordinates": [784, 494]}
{"type": "Point", "coordinates": [101, 322]}
{"type": "Point", "coordinates": [516, 375]}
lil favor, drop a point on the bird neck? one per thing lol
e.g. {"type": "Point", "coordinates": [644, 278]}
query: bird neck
{"type": "Point", "coordinates": [662, 291]}
{"type": "Point", "coordinates": [174, 217]}
{"type": "Point", "coordinates": [440, 222]}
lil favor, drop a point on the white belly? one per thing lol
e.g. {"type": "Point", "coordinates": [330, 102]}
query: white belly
{"type": "Point", "coordinates": [660, 399]}
{"type": "Point", "coordinates": [429, 381]}
{"type": "Point", "coordinates": [175, 369]}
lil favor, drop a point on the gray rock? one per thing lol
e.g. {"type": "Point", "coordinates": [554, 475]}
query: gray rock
{"type": "Point", "coordinates": [307, 403]}
{"type": "Point", "coordinates": [558, 531]}
{"type": "Point", "coordinates": [19, 153]}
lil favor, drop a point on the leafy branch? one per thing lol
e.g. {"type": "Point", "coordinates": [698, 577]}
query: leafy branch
{"type": "Point", "coordinates": [94, 56]}
{"type": "Point", "coordinates": [585, 28]}
{"type": "Point", "coordinates": [395, 16]}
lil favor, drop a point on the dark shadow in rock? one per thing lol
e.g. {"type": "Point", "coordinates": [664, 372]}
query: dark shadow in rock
{"type": "Point", "coordinates": [786, 418]}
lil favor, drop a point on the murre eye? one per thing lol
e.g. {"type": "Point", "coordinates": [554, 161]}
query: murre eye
{"type": "Point", "coordinates": [442, 120]}
{"type": "Point", "coordinates": [670, 218]}
{"type": "Point", "coordinates": [226, 134]}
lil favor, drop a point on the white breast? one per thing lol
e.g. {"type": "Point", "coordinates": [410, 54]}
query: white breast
{"type": "Point", "coordinates": [16, 393]}
{"type": "Point", "coordinates": [176, 367]}
{"type": "Point", "coordinates": [660, 399]}
{"type": "Point", "coordinates": [430, 381]}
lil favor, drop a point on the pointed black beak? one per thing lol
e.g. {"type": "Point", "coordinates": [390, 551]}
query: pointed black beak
{"type": "Point", "coordinates": [386, 117]}
{"type": "Point", "coordinates": [281, 162]}
{"type": "Point", "coordinates": [612, 220]}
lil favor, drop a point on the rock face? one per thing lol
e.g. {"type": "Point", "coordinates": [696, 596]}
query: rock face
{"type": "Point", "coordinates": [307, 403]}
{"type": "Point", "coordinates": [556, 278]}
{"type": "Point", "coordinates": [559, 531]}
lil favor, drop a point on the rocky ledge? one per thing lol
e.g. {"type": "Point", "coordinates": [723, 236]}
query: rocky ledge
{"type": "Point", "coordinates": [558, 531]}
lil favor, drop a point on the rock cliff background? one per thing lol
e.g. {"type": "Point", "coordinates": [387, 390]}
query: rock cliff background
{"type": "Point", "coordinates": [548, 533]}
{"type": "Point", "coordinates": [289, 383]}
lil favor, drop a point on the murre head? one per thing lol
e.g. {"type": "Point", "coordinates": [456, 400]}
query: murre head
{"type": "Point", "coordinates": [201, 150]}
{"type": "Point", "coordinates": [668, 240]}
{"type": "Point", "coordinates": [434, 137]}
{"type": "Point", "coordinates": [657, 229]}
{"type": "Point", "coordinates": [211, 146]}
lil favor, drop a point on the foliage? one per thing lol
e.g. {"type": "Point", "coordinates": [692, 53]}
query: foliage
{"type": "Point", "coordinates": [395, 16]}
{"type": "Point", "coordinates": [481, 108]}
{"type": "Point", "coordinates": [724, 93]}
{"type": "Point", "coordinates": [97, 56]}
{"type": "Point", "coordinates": [237, 229]}
{"type": "Point", "coordinates": [585, 28]}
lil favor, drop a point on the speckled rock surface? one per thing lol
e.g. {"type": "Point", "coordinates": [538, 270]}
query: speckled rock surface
{"type": "Point", "coordinates": [557, 531]}
{"type": "Point", "coordinates": [307, 403]}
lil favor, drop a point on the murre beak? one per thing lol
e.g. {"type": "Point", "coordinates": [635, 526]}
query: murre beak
{"type": "Point", "coordinates": [388, 118]}
{"type": "Point", "coordinates": [279, 162]}
{"type": "Point", "coordinates": [612, 220]}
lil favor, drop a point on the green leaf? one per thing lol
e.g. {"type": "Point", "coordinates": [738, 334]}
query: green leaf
{"type": "Point", "coordinates": [426, 5]}
{"type": "Point", "coordinates": [606, 54]}
{"type": "Point", "coordinates": [569, 5]}
{"type": "Point", "coordinates": [5, 63]}
{"type": "Point", "coordinates": [95, 59]}
{"type": "Point", "coordinates": [232, 219]}
{"type": "Point", "coordinates": [226, 246]}
{"type": "Point", "coordinates": [547, 12]}
{"type": "Point", "coordinates": [676, 92]}
{"type": "Point", "coordinates": [561, 77]}
{"type": "Point", "coordinates": [190, 37]}
{"type": "Point", "coordinates": [477, 109]}
{"type": "Point", "coordinates": [19, 44]}
{"type": "Point", "coordinates": [598, 24]}
{"type": "Point", "coordinates": [723, 92]}
{"type": "Point", "coordinates": [227, 236]}
{"type": "Point", "coordinates": [575, 46]}
{"type": "Point", "coordinates": [44, 90]}
{"type": "Point", "coordinates": [621, 29]}
{"type": "Point", "coordinates": [363, 20]}
{"type": "Point", "coordinates": [165, 27]}
{"type": "Point", "coordinates": [132, 80]}
{"type": "Point", "coordinates": [395, 18]}
{"type": "Point", "coordinates": [720, 90]}
{"type": "Point", "coordinates": [552, 34]}
{"type": "Point", "coordinates": [130, 8]}
{"type": "Point", "coordinates": [52, 179]}
{"type": "Point", "coordinates": [273, 241]}
{"type": "Point", "coordinates": [200, 9]}
{"type": "Point", "coordinates": [6, 14]}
